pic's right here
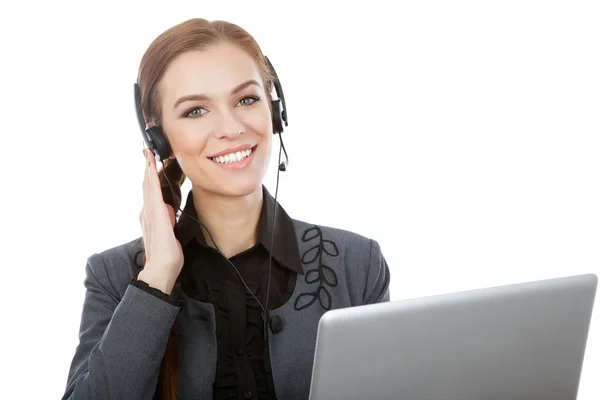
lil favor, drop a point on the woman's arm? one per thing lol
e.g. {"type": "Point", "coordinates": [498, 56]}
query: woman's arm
{"type": "Point", "coordinates": [121, 343]}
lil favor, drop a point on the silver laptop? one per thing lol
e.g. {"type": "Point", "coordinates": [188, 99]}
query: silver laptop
{"type": "Point", "coordinates": [521, 341]}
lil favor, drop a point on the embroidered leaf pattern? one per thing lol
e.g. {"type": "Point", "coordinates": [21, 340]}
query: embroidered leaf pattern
{"type": "Point", "coordinates": [324, 298]}
{"type": "Point", "coordinates": [304, 300]}
{"type": "Point", "coordinates": [310, 234]}
{"type": "Point", "coordinates": [312, 276]}
{"type": "Point", "coordinates": [137, 259]}
{"type": "Point", "coordinates": [311, 255]}
{"type": "Point", "coordinates": [328, 275]}
{"type": "Point", "coordinates": [322, 275]}
{"type": "Point", "coordinates": [330, 248]}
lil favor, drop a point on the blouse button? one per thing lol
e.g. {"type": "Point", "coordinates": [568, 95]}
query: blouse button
{"type": "Point", "coordinates": [276, 324]}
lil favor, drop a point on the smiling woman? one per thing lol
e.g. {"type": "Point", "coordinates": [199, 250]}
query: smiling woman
{"type": "Point", "coordinates": [212, 102]}
{"type": "Point", "coordinates": [223, 302]}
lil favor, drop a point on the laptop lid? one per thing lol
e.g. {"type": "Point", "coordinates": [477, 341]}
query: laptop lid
{"type": "Point", "coordinates": [520, 341]}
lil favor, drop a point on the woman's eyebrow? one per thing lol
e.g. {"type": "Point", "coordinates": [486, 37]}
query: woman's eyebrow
{"type": "Point", "coordinates": [197, 97]}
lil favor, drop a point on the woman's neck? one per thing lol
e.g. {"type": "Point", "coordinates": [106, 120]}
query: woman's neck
{"type": "Point", "coordinates": [232, 221]}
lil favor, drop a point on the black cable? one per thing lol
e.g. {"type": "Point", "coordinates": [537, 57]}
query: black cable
{"type": "Point", "coordinates": [274, 217]}
{"type": "Point", "coordinates": [264, 309]}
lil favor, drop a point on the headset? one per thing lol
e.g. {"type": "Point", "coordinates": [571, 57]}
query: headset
{"type": "Point", "coordinates": [156, 140]}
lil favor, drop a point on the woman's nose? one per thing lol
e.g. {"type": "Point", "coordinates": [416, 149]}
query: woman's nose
{"type": "Point", "coordinates": [229, 125]}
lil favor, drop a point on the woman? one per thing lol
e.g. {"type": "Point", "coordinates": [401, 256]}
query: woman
{"type": "Point", "coordinates": [225, 301]}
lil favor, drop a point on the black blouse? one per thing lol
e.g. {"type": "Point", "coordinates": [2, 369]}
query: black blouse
{"type": "Point", "coordinates": [243, 363]}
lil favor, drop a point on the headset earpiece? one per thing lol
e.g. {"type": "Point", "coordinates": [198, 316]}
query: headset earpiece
{"type": "Point", "coordinates": [162, 148]}
{"type": "Point", "coordinates": [277, 120]}
{"type": "Point", "coordinates": [155, 138]}
{"type": "Point", "coordinates": [279, 115]}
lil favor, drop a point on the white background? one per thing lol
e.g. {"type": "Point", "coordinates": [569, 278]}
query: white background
{"type": "Point", "coordinates": [463, 136]}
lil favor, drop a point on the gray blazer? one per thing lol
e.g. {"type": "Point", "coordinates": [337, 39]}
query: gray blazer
{"type": "Point", "coordinates": [124, 330]}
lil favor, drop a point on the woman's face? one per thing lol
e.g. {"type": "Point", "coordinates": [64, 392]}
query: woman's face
{"type": "Point", "coordinates": [216, 116]}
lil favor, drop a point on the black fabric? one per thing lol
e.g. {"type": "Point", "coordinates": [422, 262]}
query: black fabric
{"type": "Point", "coordinates": [243, 366]}
{"type": "Point", "coordinates": [157, 292]}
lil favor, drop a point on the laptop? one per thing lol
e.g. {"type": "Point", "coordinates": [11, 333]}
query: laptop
{"type": "Point", "coordinates": [520, 341]}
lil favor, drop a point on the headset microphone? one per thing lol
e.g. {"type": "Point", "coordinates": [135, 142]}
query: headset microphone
{"type": "Point", "coordinates": [283, 164]}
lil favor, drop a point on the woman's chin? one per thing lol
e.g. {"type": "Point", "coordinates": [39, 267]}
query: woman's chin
{"type": "Point", "coordinates": [241, 190]}
{"type": "Point", "coordinates": [238, 186]}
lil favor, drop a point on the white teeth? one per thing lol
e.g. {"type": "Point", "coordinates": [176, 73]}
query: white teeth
{"type": "Point", "coordinates": [232, 157]}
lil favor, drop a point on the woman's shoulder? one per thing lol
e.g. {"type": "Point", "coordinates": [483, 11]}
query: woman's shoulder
{"type": "Point", "coordinates": [127, 250]}
{"type": "Point", "coordinates": [117, 265]}
{"type": "Point", "coordinates": [329, 254]}
{"type": "Point", "coordinates": [334, 240]}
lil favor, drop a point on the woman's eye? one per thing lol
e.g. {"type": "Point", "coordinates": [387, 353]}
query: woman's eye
{"type": "Point", "coordinates": [246, 101]}
{"type": "Point", "coordinates": [199, 111]}
{"type": "Point", "coordinates": [195, 112]}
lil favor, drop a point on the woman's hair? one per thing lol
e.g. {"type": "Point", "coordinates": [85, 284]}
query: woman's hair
{"type": "Point", "coordinates": [194, 34]}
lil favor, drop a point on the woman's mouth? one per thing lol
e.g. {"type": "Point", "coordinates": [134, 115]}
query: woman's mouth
{"type": "Point", "coordinates": [235, 160]}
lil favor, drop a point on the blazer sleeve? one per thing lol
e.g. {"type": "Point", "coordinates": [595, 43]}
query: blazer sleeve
{"type": "Point", "coordinates": [121, 342]}
{"type": "Point", "coordinates": [156, 292]}
{"type": "Point", "coordinates": [377, 289]}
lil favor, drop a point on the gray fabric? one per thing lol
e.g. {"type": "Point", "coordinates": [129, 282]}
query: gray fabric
{"type": "Point", "coordinates": [124, 330]}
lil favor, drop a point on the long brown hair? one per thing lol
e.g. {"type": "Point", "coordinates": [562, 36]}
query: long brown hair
{"type": "Point", "coordinates": [194, 34]}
